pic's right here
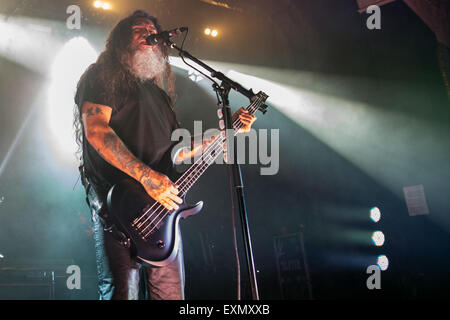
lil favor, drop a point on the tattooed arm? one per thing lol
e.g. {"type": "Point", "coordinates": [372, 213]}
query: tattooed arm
{"type": "Point", "coordinates": [101, 136]}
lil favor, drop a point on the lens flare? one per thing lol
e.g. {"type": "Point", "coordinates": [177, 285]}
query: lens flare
{"type": "Point", "coordinates": [378, 238]}
{"type": "Point", "coordinates": [383, 262]}
{"type": "Point", "coordinates": [375, 214]}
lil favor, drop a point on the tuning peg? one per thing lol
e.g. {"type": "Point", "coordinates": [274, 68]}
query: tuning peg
{"type": "Point", "coordinates": [263, 108]}
{"type": "Point", "coordinates": [222, 125]}
{"type": "Point", "coordinates": [219, 113]}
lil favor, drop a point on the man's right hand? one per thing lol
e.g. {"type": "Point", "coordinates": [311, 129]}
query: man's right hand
{"type": "Point", "coordinates": [160, 188]}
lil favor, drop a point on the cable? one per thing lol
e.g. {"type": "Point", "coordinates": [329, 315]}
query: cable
{"type": "Point", "coordinates": [182, 58]}
{"type": "Point", "coordinates": [233, 227]}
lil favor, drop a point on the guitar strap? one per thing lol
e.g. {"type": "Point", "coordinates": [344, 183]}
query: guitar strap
{"type": "Point", "coordinates": [98, 209]}
{"type": "Point", "coordinates": [84, 180]}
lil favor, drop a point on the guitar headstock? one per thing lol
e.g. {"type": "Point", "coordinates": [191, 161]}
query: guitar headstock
{"type": "Point", "coordinates": [259, 100]}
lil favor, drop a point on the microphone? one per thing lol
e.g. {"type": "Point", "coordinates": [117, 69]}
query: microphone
{"type": "Point", "coordinates": [164, 36]}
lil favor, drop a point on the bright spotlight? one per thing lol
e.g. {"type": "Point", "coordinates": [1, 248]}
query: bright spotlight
{"type": "Point", "coordinates": [383, 262]}
{"type": "Point", "coordinates": [73, 59]}
{"type": "Point", "coordinates": [378, 238]}
{"type": "Point", "coordinates": [106, 6]}
{"type": "Point", "coordinates": [214, 33]}
{"type": "Point", "coordinates": [375, 214]}
{"type": "Point", "coordinates": [97, 4]}
{"type": "Point", "coordinates": [207, 31]}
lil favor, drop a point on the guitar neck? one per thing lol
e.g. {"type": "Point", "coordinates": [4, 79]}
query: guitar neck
{"type": "Point", "coordinates": [196, 170]}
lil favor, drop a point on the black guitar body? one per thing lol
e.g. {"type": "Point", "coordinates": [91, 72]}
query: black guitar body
{"type": "Point", "coordinates": [156, 238]}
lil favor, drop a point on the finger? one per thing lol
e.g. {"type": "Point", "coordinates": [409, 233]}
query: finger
{"type": "Point", "coordinates": [170, 205]}
{"type": "Point", "coordinates": [246, 123]}
{"type": "Point", "coordinates": [169, 197]}
{"type": "Point", "coordinates": [246, 116]}
{"type": "Point", "coordinates": [173, 189]}
{"type": "Point", "coordinates": [173, 205]}
{"type": "Point", "coordinates": [165, 204]}
{"type": "Point", "coordinates": [175, 198]}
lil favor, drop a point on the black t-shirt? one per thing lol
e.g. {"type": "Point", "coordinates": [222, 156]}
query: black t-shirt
{"type": "Point", "coordinates": [144, 122]}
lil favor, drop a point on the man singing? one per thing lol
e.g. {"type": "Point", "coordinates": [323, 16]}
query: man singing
{"type": "Point", "coordinates": [124, 121]}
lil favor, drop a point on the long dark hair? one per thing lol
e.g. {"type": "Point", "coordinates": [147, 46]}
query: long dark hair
{"type": "Point", "coordinates": [112, 69]}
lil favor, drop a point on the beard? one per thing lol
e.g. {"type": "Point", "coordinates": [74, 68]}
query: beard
{"type": "Point", "coordinates": [147, 64]}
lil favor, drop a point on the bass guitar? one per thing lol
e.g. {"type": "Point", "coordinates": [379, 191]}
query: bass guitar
{"type": "Point", "coordinates": [153, 229]}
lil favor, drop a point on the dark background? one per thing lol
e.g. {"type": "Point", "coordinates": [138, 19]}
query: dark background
{"type": "Point", "coordinates": [319, 190]}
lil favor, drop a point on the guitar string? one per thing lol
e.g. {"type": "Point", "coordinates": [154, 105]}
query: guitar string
{"type": "Point", "coordinates": [186, 175]}
{"type": "Point", "coordinates": [157, 214]}
{"type": "Point", "coordinates": [254, 105]}
{"type": "Point", "coordinates": [193, 175]}
{"type": "Point", "coordinates": [185, 187]}
{"type": "Point", "coordinates": [204, 165]}
{"type": "Point", "coordinates": [164, 212]}
{"type": "Point", "coordinates": [190, 172]}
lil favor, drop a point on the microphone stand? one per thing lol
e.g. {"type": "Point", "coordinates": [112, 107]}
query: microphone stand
{"type": "Point", "coordinates": [223, 90]}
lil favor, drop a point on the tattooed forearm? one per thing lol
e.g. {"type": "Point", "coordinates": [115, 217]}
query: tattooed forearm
{"type": "Point", "coordinates": [113, 150]}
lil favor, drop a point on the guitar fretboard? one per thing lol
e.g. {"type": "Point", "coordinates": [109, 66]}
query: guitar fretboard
{"type": "Point", "coordinates": [214, 150]}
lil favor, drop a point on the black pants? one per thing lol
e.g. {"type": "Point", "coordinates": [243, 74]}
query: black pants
{"type": "Point", "coordinates": [120, 277]}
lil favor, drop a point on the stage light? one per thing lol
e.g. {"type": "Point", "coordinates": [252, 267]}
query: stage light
{"type": "Point", "coordinates": [72, 60]}
{"type": "Point", "coordinates": [102, 5]}
{"type": "Point", "coordinates": [211, 32]}
{"type": "Point", "coordinates": [383, 262]}
{"type": "Point", "coordinates": [378, 238]}
{"type": "Point", "coordinates": [375, 214]}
